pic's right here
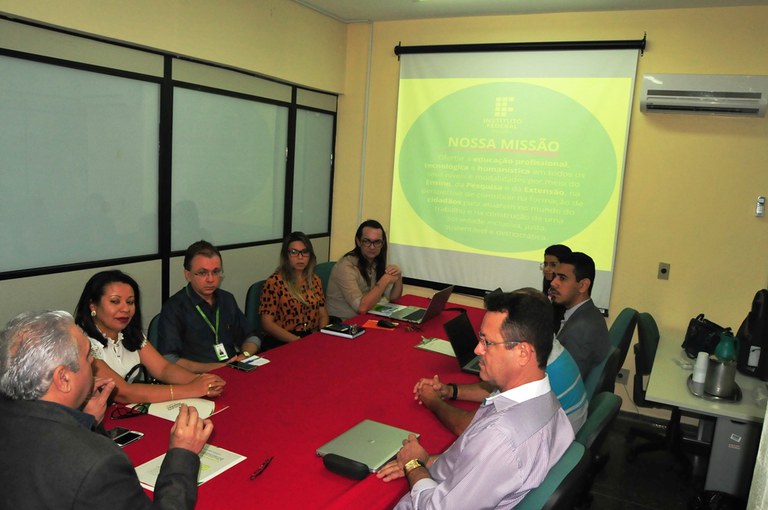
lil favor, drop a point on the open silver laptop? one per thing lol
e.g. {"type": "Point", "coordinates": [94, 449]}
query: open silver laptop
{"type": "Point", "coordinates": [415, 314]}
{"type": "Point", "coordinates": [369, 442]}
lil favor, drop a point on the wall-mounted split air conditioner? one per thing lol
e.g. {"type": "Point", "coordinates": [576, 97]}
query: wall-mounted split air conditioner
{"type": "Point", "coordinates": [705, 94]}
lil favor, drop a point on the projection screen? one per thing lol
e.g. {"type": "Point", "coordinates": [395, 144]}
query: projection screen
{"type": "Point", "coordinates": [499, 155]}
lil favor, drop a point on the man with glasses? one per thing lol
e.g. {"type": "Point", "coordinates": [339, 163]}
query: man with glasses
{"type": "Point", "coordinates": [201, 327]}
{"type": "Point", "coordinates": [583, 332]}
{"type": "Point", "coordinates": [51, 456]}
{"type": "Point", "coordinates": [564, 379]}
{"type": "Point", "coordinates": [362, 278]}
{"type": "Point", "coordinates": [517, 435]}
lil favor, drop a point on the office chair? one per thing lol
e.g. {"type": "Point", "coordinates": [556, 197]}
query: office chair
{"type": "Point", "coordinates": [323, 270]}
{"type": "Point", "coordinates": [621, 332]}
{"type": "Point", "coordinates": [603, 410]}
{"type": "Point", "coordinates": [672, 439]}
{"type": "Point", "coordinates": [603, 376]}
{"type": "Point", "coordinates": [563, 484]}
{"type": "Point", "coordinates": [252, 299]}
{"type": "Point", "coordinates": [152, 330]}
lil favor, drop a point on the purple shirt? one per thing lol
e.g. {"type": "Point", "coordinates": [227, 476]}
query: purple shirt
{"type": "Point", "coordinates": [507, 450]}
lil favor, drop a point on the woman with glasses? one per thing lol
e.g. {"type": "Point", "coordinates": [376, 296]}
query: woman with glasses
{"type": "Point", "coordinates": [292, 302]}
{"type": "Point", "coordinates": [552, 256]}
{"type": "Point", "coordinates": [362, 278]}
{"type": "Point", "coordinates": [109, 311]}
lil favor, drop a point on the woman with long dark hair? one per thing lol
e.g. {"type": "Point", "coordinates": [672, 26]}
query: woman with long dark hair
{"type": "Point", "coordinates": [362, 278]}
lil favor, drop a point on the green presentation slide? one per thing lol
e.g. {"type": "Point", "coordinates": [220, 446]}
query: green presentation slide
{"type": "Point", "coordinates": [490, 170]}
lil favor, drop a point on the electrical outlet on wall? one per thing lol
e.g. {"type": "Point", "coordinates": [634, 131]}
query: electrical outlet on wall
{"type": "Point", "coordinates": [623, 376]}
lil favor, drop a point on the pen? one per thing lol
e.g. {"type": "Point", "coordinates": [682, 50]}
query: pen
{"type": "Point", "coordinates": [259, 470]}
{"type": "Point", "coordinates": [220, 410]}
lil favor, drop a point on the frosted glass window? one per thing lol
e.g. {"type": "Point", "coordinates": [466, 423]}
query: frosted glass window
{"type": "Point", "coordinates": [228, 169]}
{"type": "Point", "coordinates": [79, 165]}
{"type": "Point", "coordinates": [312, 172]}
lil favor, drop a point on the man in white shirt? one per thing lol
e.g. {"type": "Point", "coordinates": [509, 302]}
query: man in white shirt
{"type": "Point", "coordinates": [517, 435]}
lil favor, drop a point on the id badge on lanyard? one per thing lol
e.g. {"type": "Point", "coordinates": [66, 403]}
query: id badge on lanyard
{"type": "Point", "coordinates": [221, 352]}
{"type": "Point", "coordinates": [218, 347]}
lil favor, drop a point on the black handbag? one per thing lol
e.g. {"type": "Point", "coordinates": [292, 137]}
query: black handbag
{"type": "Point", "coordinates": [702, 335]}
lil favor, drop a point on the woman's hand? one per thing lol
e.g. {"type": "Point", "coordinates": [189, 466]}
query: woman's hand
{"type": "Point", "coordinates": [208, 385]}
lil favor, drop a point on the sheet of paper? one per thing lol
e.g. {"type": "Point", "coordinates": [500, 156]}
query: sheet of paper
{"type": "Point", "coordinates": [170, 410]}
{"type": "Point", "coordinates": [436, 345]}
{"type": "Point", "coordinates": [213, 460]}
{"type": "Point", "coordinates": [256, 360]}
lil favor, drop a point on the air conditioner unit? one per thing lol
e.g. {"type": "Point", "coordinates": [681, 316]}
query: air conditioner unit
{"type": "Point", "coordinates": [705, 94]}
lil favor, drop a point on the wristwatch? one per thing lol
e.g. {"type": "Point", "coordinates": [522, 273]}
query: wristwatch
{"type": "Point", "coordinates": [412, 464]}
{"type": "Point", "coordinates": [246, 354]}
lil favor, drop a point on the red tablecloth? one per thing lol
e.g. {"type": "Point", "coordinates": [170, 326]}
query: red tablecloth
{"type": "Point", "coordinates": [310, 392]}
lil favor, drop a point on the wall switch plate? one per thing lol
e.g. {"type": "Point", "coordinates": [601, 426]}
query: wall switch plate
{"type": "Point", "coordinates": [663, 271]}
{"type": "Point", "coordinates": [623, 376]}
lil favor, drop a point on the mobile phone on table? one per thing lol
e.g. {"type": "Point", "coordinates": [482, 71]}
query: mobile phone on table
{"type": "Point", "coordinates": [123, 436]}
{"type": "Point", "coordinates": [240, 365]}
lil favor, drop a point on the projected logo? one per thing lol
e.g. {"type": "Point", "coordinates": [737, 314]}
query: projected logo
{"type": "Point", "coordinates": [544, 174]}
{"type": "Point", "coordinates": [504, 106]}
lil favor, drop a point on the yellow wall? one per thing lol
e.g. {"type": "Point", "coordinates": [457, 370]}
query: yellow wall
{"type": "Point", "coordinates": [691, 181]}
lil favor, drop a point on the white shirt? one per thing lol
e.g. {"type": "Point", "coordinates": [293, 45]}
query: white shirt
{"type": "Point", "coordinates": [114, 354]}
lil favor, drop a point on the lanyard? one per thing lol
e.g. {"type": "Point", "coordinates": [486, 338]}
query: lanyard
{"type": "Point", "coordinates": [205, 318]}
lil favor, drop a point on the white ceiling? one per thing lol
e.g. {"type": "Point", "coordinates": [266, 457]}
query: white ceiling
{"type": "Point", "coordinates": [351, 11]}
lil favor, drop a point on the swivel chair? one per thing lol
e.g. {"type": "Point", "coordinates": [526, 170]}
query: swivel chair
{"type": "Point", "coordinates": [621, 332]}
{"type": "Point", "coordinates": [323, 270]}
{"type": "Point", "coordinates": [603, 410]}
{"type": "Point", "coordinates": [603, 376]}
{"type": "Point", "coordinates": [153, 329]}
{"type": "Point", "coordinates": [252, 299]}
{"type": "Point", "coordinates": [563, 483]}
{"type": "Point", "coordinates": [672, 439]}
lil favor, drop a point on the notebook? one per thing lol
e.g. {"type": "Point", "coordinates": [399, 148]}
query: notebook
{"type": "Point", "coordinates": [415, 314]}
{"type": "Point", "coordinates": [463, 340]}
{"type": "Point", "coordinates": [369, 442]}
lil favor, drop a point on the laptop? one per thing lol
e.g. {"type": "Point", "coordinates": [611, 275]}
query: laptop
{"type": "Point", "coordinates": [415, 314]}
{"type": "Point", "coordinates": [369, 442]}
{"type": "Point", "coordinates": [462, 336]}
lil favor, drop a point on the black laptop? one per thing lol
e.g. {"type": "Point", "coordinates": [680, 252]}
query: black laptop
{"type": "Point", "coordinates": [463, 339]}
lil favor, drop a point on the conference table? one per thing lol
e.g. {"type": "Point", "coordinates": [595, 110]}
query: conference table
{"type": "Point", "coordinates": [311, 391]}
{"type": "Point", "coordinates": [737, 425]}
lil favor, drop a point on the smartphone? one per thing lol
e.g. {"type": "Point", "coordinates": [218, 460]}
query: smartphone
{"type": "Point", "coordinates": [123, 436]}
{"type": "Point", "coordinates": [245, 367]}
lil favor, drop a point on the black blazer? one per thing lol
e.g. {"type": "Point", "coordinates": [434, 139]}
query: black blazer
{"type": "Point", "coordinates": [49, 460]}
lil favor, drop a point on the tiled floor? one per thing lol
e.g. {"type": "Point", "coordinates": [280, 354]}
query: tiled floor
{"type": "Point", "coordinates": [653, 481]}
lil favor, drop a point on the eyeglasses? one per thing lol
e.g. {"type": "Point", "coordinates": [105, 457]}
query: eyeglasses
{"type": "Point", "coordinates": [551, 265]}
{"type": "Point", "coordinates": [216, 273]}
{"type": "Point", "coordinates": [119, 413]}
{"type": "Point", "coordinates": [485, 343]}
{"type": "Point", "coordinates": [297, 253]}
{"type": "Point", "coordinates": [259, 470]}
{"type": "Point", "coordinates": [376, 243]}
